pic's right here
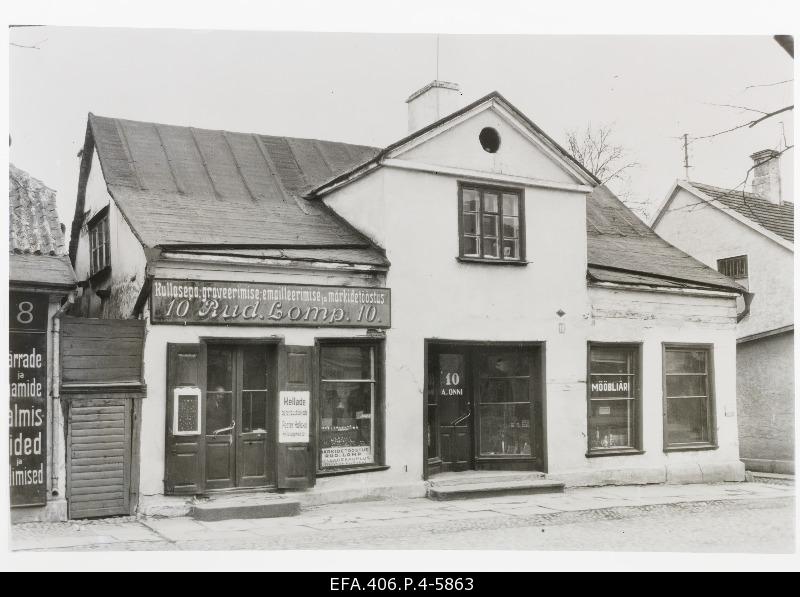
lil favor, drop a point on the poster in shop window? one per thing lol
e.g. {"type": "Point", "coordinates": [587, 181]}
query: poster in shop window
{"type": "Point", "coordinates": [204, 302]}
{"type": "Point", "coordinates": [27, 361]}
{"type": "Point", "coordinates": [294, 411]}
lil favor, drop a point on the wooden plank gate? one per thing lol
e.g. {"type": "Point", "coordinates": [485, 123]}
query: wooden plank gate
{"type": "Point", "coordinates": [102, 388]}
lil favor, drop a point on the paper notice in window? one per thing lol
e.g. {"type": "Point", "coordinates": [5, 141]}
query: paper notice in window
{"type": "Point", "coordinates": [293, 417]}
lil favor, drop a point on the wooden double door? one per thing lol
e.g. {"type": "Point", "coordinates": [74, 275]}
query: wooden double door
{"type": "Point", "coordinates": [484, 407]}
{"type": "Point", "coordinates": [238, 417]}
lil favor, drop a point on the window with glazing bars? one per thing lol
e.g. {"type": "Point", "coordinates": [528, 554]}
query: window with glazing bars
{"type": "Point", "coordinates": [491, 225]}
{"type": "Point", "coordinates": [733, 267]}
{"type": "Point", "coordinates": [99, 245]}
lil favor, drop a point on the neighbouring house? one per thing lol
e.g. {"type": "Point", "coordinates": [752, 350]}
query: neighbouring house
{"type": "Point", "coordinates": [348, 321]}
{"type": "Point", "coordinates": [749, 236]}
{"type": "Point", "coordinates": [40, 280]}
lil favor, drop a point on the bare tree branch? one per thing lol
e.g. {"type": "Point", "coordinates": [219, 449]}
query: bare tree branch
{"type": "Point", "coordinates": [735, 106]}
{"type": "Point", "coordinates": [769, 84]}
{"type": "Point", "coordinates": [749, 124]}
{"type": "Point", "coordinates": [35, 46]}
{"type": "Point", "coordinates": [595, 151]}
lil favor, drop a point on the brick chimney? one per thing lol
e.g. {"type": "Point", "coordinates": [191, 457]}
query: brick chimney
{"type": "Point", "coordinates": [431, 103]}
{"type": "Point", "coordinates": [767, 175]}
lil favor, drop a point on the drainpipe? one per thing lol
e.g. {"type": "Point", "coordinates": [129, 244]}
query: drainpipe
{"type": "Point", "coordinates": [748, 298]}
{"type": "Point", "coordinates": [55, 389]}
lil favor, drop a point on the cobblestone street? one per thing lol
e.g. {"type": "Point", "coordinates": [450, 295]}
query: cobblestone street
{"type": "Point", "coordinates": [745, 517]}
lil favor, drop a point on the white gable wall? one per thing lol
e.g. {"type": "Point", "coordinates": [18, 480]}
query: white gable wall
{"type": "Point", "coordinates": [708, 234]}
{"type": "Point", "coordinates": [458, 147]}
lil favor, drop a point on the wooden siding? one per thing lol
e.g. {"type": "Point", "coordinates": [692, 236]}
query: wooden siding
{"type": "Point", "coordinates": [101, 350]}
{"type": "Point", "coordinates": [99, 457]}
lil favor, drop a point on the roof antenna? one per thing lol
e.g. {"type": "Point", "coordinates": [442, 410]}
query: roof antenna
{"type": "Point", "coordinates": [437, 56]}
{"type": "Point", "coordinates": [686, 165]}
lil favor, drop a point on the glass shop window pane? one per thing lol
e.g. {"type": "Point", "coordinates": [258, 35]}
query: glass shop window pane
{"type": "Point", "coordinates": [346, 429]}
{"type": "Point", "coordinates": [506, 364]}
{"type": "Point", "coordinates": [254, 368]}
{"type": "Point", "coordinates": [347, 362]}
{"type": "Point", "coordinates": [510, 204]}
{"type": "Point", "coordinates": [505, 429]}
{"type": "Point", "coordinates": [472, 200]}
{"type": "Point", "coordinates": [611, 424]}
{"type": "Point", "coordinates": [687, 420]}
{"type": "Point", "coordinates": [686, 385]}
{"type": "Point", "coordinates": [471, 246]}
{"type": "Point", "coordinates": [254, 412]}
{"type": "Point", "coordinates": [220, 370]}
{"type": "Point", "coordinates": [685, 361]}
{"type": "Point", "coordinates": [219, 411]}
{"type": "Point", "coordinates": [491, 203]}
{"type": "Point", "coordinates": [505, 390]}
{"type": "Point", "coordinates": [431, 432]}
{"type": "Point", "coordinates": [611, 360]}
{"type": "Point", "coordinates": [471, 224]}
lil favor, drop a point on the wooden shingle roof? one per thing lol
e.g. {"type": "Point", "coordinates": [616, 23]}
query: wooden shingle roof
{"type": "Point", "coordinates": [35, 240]}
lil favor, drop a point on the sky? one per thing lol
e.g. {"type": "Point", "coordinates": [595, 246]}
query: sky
{"type": "Point", "coordinates": [352, 88]}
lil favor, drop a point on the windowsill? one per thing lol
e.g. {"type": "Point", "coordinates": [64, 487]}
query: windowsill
{"type": "Point", "coordinates": [505, 457]}
{"type": "Point", "coordinates": [491, 261]}
{"type": "Point", "coordinates": [369, 468]}
{"type": "Point", "coordinates": [691, 447]}
{"type": "Point", "coordinates": [622, 452]}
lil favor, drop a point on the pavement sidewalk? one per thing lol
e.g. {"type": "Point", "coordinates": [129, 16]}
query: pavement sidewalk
{"type": "Point", "coordinates": [318, 521]}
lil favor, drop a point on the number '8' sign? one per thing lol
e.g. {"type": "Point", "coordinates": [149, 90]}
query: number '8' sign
{"type": "Point", "coordinates": [28, 311]}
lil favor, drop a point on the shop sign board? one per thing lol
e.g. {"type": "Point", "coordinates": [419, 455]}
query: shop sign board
{"type": "Point", "coordinates": [204, 302]}
{"type": "Point", "coordinates": [27, 362]}
{"type": "Point", "coordinates": [610, 386]}
{"type": "Point", "coordinates": [294, 410]}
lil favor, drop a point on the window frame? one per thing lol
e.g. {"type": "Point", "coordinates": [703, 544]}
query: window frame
{"type": "Point", "coordinates": [731, 259]}
{"type": "Point", "coordinates": [100, 219]}
{"type": "Point", "coordinates": [711, 398]}
{"type": "Point", "coordinates": [378, 414]}
{"type": "Point", "coordinates": [638, 423]}
{"type": "Point", "coordinates": [482, 188]}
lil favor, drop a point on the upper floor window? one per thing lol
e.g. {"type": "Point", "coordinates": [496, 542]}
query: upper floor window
{"type": "Point", "coordinates": [733, 267]}
{"type": "Point", "coordinates": [99, 242]}
{"type": "Point", "coordinates": [491, 224]}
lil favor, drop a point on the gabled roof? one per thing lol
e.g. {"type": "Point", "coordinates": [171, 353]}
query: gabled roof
{"type": "Point", "coordinates": [36, 242]}
{"type": "Point", "coordinates": [776, 222]}
{"type": "Point", "coordinates": [778, 219]}
{"type": "Point", "coordinates": [623, 249]}
{"type": "Point", "coordinates": [181, 187]}
{"type": "Point", "coordinates": [374, 161]}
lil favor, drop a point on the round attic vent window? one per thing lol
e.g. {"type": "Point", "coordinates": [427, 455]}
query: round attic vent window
{"type": "Point", "coordinates": [490, 139]}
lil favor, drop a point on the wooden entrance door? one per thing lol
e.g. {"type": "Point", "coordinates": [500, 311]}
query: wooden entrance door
{"type": "Point", "coordinates": [238, 441]}
{"type": "Point", "coordinates": [454, 400]}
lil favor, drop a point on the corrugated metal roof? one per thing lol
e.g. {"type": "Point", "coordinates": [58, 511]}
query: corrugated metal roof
{"type": "Point", "coordinates": [778, 219]}
{"type": "Point", "coordinates": [186, 186]}
{"type": "Point", "coordinates": [619, 241]}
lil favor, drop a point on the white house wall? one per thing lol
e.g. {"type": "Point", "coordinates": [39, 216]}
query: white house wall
{"type": "Point", "coordinates": [128, 261]}
{"type": "Point", "coordinates": [708, 234]}
{"type": "Point", "coordinates": [459, 147]}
